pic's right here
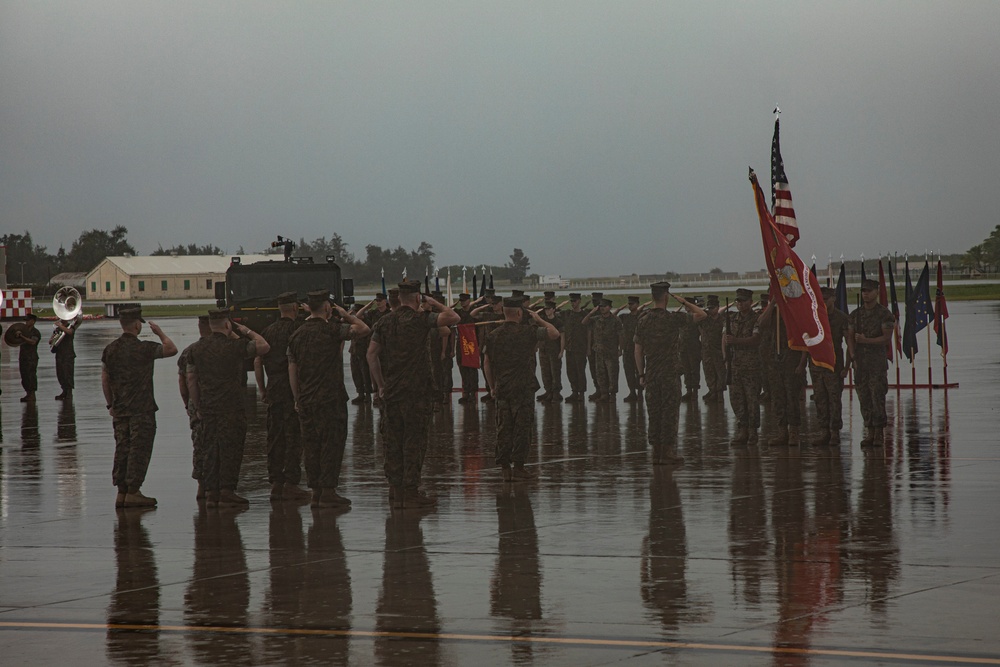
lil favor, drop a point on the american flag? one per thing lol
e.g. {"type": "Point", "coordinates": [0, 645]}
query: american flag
{"type": "Point", "coordinates": [782, 209]}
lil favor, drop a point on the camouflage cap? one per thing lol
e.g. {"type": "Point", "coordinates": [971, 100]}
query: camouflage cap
{"type": "Point", "coordinates": [575, 296]}
{"type": "Point", "coordinates": [765, 298]}
{"type": "Point", "coordinates": [379, 296]}
{"type": "Point", "coordinates": [633, 299]}
{"type": "Point", "coordinates": [437, 295]}
{"type": "Point", "coordinates": [316, 298]}
{"type": "Point", "coordinates": [660, 288]}
{"type": "Point", "coordinates": [464, 296]}
{"type": "Point", "coordinates": [496, 298]}
{"type": "Point", "coordinates": [712, 300]}
{"type": "Point", "coordinates": [287, 297]}
{"type": "Point", "coordinates": [597, 295]}
{"type": "Point", "coordinates": [202, 319]}
{"type": "Point", "coordinates": [549, 295]}
{"type": "Point", "coordinates": [828, 292]}
{"type": "Point", "coordinates": [513, 302]}
{"type": "Point", "coordinates": [607, 302]}
{"type": "Point", "coordinates": [131, 315]}
{"type": "Point", "coordinates": [393, 293]}
{"type": "Point", "coordinates": [218, 314]}
{"type": "Point", "coordinates": [409, 287]}
{"type": "Point", "coordinates": [30, 317]}
{"type": "Point", "coordinates": [517, 292]}
{"type": "Point", "coordinates": [550, 304]}
{"type": "Point", "coordinates": [868, 284]}
{"type": "Point", "coordinates": [743, 294]}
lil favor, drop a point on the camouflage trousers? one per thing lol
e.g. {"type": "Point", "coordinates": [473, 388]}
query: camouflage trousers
{"type": "Point", "coordinates": [786, 395]}
{"type": "Point", "coordinates": [284, 444]}
{"type": "Point", "coordinates": [515, 416]}
{"type": "Point", "coordinates": [576, 371]}
{"type": "Point", "coordinates": [715, 371]}
{"type": "Point", "coordinates": [223, 436]}
{"type": "Point", "coordinates": [628, 368]}
{"type": "Point", "coordinates": [65, 371]}
{"type": "Point", "coordinates": [28, 367]}
{"type": "Point", "coordinates": [872, 386]}
{"type": "Point", "coordinates": [743, 396]}
{"type": "Point", "coordinates": [692, 369]}
{"type": "Point", "coordinates": [606, 372]}
{"type": "Point", "coordinates": [663, 406]}
{"type": "Point", "coordinates": [324, 437]}
{"type": "Point", "coordinates": [405, 428]}
{"type": "Point", "coordinates": [828, 387]}
{"type": "Point", "coordinates": [197, 446]}
{"type": "Point", "coordinates": [133, 449]}
{"type": "Point", "coordinates": [361, 374]}
{"type": "Point", "coordinates": [448, 376]}
{"type": "Point", "coordinates": [551, 371]}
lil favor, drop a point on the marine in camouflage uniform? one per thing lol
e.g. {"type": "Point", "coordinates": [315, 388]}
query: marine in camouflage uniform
{"type": "Point", "coordinates": [743, 341]}
{"type": "Point", "coordinates": [828, 385]}
{"type": "Point", "coordinates": [691, 357]}
{"type": "Point", "coordinates": [492, 312]}
{"type": "Point", "coordinates": [127, 383]}
{"type": "Point", "coordinates": [469, 374]}
{"type": "Point", "coordinates": [215, 378]}
{"type": "Point", "coordinates": [437, 352]}
{"type": "Point", "coordinates": [510, 352]}
{"type": "Point", "coordinates": [66, 358]}
{"type": "Point", "coordinates": [576, 350]}
{"type": "Point", "coordinates": [284, 432]}
{"type": "Point", "coordinates": [712, 360]}
{"type": "Point", "coordinates": [787, 379]}
{"type": "Point", "coordinates": [27, 358]}
{"type": "Point", "coordinates": [401, 372]}
{"type": "Point", "coordinates": [657, 358]}
{"type": "Point", "coordinates": [606, 344]}
{"type": "Point", "coordinates": [629, 320]}
{"type": "Point", "coordinates": [766, 346]}
{"type": "Point", "coordinates": [194, 421]}
{"type": "Point", "coordinates": [550, 355]}
{"type": "Point", "coordinates": [595, 303]}
{"type": "Point", "coordinates": [871, 327]}
{"type": "Point", "coordinates": [316, 377]}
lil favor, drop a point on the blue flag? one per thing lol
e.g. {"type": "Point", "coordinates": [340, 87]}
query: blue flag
{"type": "Point", "coordinates": [919, 311]}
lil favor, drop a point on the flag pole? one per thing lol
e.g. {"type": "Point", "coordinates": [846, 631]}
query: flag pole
{"type": "Point", "coordinates": [930, 382]}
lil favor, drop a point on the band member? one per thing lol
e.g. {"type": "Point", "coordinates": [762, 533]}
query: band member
{"type": "Point", "coordinates": [194, 422]}
{"type": "Point", "coordinates": [510, 352]}
{"type": "Point", "coordinates": [27, 358]}
{"type": "Point", "coordinates": [215, 378]}
{"type": "Point", "coordinates": [316, 377]}
{"type": "Point", "coordinates": [401, 373]}
{"type": "Point", "coordinates": [657, 361]}
{"type": "Point", "coordinates": [284, 444]}
{"type": "Point", "coordinates": [127, 382]}
{"type": "Point", "coordinates": [65, 358]}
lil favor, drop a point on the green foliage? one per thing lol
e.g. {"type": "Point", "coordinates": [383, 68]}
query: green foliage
{"type": "Point", "coordinates": [189, 249]}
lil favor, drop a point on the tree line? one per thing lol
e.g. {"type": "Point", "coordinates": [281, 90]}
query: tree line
{"type": "Point", "coordinates": [29, 263]}
{"type": "Point", "coordinates": [984, 257]}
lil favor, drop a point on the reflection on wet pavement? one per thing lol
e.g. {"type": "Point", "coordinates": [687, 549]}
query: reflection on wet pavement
{"type": "Point", "coordinates": [758, 556]}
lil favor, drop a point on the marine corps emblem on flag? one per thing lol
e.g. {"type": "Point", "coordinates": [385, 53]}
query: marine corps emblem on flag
{"type": "Point", "coordinates": [468, 345]}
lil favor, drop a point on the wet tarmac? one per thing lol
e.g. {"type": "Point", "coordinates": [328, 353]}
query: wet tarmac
{"type": "Point", "coordinates": [757, 557]}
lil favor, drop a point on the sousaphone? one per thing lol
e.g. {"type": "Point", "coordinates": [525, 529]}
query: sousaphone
{"type": "Point", "coordinates": [67, 304]}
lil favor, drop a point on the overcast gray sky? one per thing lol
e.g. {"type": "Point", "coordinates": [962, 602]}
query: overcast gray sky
{"type": "Point", "coordinates": [600, 137]}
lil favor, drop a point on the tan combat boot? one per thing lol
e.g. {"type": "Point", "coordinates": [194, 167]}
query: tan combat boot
{"type": "Point", "coordinates": [137, 499]}
{"type": "Point", "coordinates": [781, 439]}
{"type": "Point", "coordinates": [228, 498]}
{"type": "Point", "coordinates": [752, 437]}
{"type": "Point", "coordinates": [331, 498]}
{"type": "Point", "coordinates": [878, 437]}
{"type": "Point", "coordinates": [295, 492]}
{"type": "Point", "coordinates": [793, 436]}
{"type": "Point", "coordinates": [869, 438]}
{"type": "Point", "coordinates": [823, 440]}
{"type": "Point", "coordinates": [740, 439]}
{"type": "Point", "coordinates": [417, 499]}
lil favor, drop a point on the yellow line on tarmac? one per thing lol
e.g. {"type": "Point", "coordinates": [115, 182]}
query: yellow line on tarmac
{"type": "Point", "coordinates": [564, 641]}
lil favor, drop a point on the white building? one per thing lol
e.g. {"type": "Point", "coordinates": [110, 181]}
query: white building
{"type": "Point", "coordinates": [161, 276]}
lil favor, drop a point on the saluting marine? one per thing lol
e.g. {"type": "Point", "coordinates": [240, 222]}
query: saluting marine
{"type": "Point", "coordinates": [712, 360]}
{"type": "Point", "coordinates": [743, 340]}
{"type": "Point", "coordinates": [606, 344]}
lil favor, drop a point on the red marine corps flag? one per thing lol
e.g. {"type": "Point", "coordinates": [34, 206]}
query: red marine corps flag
{"type": "Point", "coordinates": [468, 346]}
{"type": "Point", "coordinates": [781, 196]}
{"type": "Point", "coordinates": [796, 289]}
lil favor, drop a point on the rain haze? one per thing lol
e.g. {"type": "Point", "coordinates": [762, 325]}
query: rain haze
{"type": "Point", "coordinates": [602, 138]}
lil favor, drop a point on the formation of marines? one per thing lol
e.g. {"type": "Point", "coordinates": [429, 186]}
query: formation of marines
{"type": "Point", "coordinates": [404, 344]}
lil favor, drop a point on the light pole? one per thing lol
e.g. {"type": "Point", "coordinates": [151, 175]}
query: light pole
{"type": "Point", "coordinates": [22, 272]}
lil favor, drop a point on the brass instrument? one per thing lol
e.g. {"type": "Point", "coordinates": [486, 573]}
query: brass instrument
{"type": "Point", "coordinates": [67, 304]}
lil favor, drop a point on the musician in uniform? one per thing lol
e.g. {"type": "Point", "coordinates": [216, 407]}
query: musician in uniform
{"type": "Point", "coordinates": [27, 357]}
{"type": "Point", "coordinates": [65, 358]}
{"type": "Point", "coordinates": [316, 376]}
{"type": "Point", "coordinates": [510, 367]}
{"type": "Point", "coordinates": [658, 365]}
{"type": "Point", "coordinates": [215, 378]}
{"type": "Point", "coordinates": [743, 341]}
{"type": "Point", "coordinates": [284, 442]}
{"type": "Point", "coordinates": [194, 422]}
{"type": "Point", "coordinates": [127, 383]}
{"type": "Point", "coordinates": [401, 374]}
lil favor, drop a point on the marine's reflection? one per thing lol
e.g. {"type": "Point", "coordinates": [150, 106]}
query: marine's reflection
{"type": "Point", "coordinates": [219, 591]}
{"type": "Point", "coordinates": [324, 585]}
{"type": "Point", "coordinates": [406, 601]}
{"type": "Point", "coordinates": [663, 566]}
{"type": "Point", "coordinates": [66, 422]}
{"type": "Point", "coordinates": [874, 553]}
{"type": "Point", "coordinates": [748, 539]}
{"type": "Point", "coordinates": [516, 586]}
{"type": "Point", "coordinates": [31, 454]}
{"type": "Point", "coordinates": [286, 554]}
{"type": "Point", "coordinates": [136, 598]}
